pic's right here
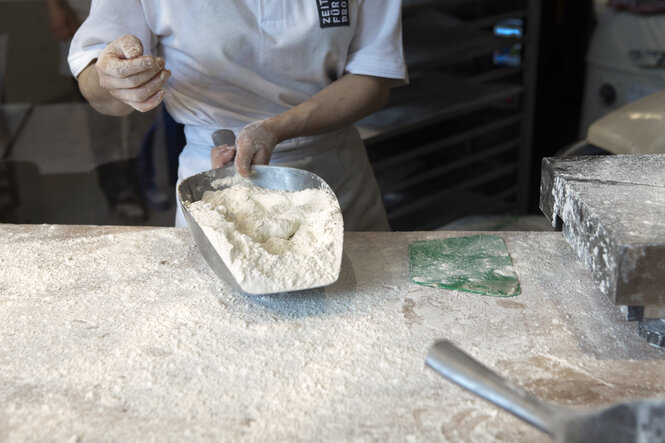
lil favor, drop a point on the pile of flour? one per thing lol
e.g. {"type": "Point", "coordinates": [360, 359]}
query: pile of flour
{"type": "Point", "coordinates": [273, 241]}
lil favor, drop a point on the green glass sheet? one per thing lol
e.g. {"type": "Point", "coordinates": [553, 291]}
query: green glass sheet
{"type": "Point", "coordinates": [478, 263]}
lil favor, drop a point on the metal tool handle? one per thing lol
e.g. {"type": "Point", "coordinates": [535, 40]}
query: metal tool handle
{"type": "Point", "coordinates": [460, 368]}
{"type": "Point", "coordinates": [223, 137]}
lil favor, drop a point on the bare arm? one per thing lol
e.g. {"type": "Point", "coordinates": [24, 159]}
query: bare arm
{"type": "Point", "coordinates": [341, 103]}
{"type": "Point", "coordinates": [98, 97]}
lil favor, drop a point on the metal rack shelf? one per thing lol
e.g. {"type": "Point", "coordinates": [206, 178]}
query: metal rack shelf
{"type": "Point", "coordinates": [442, 207]}
{"type": "Point", "coordinates": [452, 166]}
{"type": "Point", "coordinates": [432, 104]}
{"type": "Point", "coordinates": [456, 141]}
{"type": "Point", "coordinates": [445, 142]}
{"type": "Point", "coordinates": [433, 39]}
{"type": "Point", "coordinates": [457, 206]}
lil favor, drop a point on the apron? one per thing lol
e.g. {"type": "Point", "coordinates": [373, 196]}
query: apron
{"type": "Point", "coordinates": [339, 158]}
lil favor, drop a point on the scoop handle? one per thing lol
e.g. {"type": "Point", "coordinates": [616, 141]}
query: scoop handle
{"type": "Point", "coordinates": [223, 137]}
{"type": "Point", "coordinates": [460, 368]}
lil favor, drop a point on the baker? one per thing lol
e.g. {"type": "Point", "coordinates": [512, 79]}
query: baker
{"type": "Point", "coordinates": [288, 77]}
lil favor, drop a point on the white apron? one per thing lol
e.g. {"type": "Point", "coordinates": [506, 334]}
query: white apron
{"type": "Point", "coordinates": [339, 158]}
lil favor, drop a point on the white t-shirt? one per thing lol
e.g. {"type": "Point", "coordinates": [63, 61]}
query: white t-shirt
{"type": "Point", "coordinates": [237, 61]}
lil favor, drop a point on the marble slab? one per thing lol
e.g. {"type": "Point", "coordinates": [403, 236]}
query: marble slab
{"type": "Point", "coordinates": [612, 212]}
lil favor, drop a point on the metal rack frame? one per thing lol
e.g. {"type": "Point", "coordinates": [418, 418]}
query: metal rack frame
{"type": "Point", "coordinates": [429, 128]}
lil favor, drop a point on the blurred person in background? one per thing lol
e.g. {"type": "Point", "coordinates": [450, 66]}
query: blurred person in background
{"type": "Point", "coordinates": [127, 183]}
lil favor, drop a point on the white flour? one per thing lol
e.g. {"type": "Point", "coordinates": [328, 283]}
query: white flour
{"type": "Point", "coordinates": [273, 241]}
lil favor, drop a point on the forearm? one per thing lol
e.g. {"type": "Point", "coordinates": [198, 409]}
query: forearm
{"type": "Point", "coordinates": [340, 104]}
{"type": "Point", "coordinates": [98, 97]}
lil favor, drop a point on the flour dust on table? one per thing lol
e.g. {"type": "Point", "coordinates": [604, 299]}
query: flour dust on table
{"type": "Point", "coordinates": [273, 240]}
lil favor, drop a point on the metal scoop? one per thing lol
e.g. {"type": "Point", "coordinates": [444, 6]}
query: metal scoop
{"type": "Point", "coordinates": [638, 421]}
{"type": "Point", "coordinates": [223, 137]}
{"type": "Point", "coordinates": [272, 177]}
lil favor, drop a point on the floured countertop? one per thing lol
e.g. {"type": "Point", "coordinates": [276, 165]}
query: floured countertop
{"type": "Point", "coordinates": [116, 333]}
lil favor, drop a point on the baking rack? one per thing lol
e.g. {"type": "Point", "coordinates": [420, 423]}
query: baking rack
{"type": "Point", "coordinates": [457, 141]}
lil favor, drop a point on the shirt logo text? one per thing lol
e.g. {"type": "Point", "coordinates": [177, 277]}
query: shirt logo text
{"type": "Point", "coordinates": [333, 13]}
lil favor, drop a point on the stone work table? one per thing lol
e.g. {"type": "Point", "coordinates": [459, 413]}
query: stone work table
{"type": "Point", "coordinates": [612, 208]}
{"type": "Point", "coordinates": [117, 333]}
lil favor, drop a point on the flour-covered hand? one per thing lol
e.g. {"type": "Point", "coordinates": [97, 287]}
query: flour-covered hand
{"type": "Point", "coordinates": [254, 146]}
{"type": "Point", "coordinates": [131, 77]}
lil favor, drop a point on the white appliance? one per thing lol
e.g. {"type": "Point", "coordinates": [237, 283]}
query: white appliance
{"type": "Point", "coordinates": [625, 62]}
